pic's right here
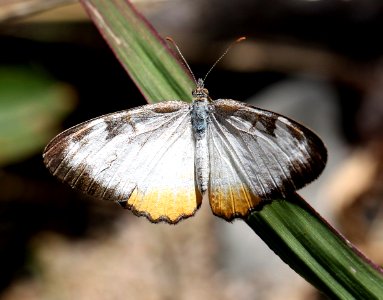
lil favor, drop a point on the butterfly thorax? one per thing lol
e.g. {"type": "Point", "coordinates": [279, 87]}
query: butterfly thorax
{"type": "Point", "coordinates": [200, 121]}
{"type": "Point", "coordinates": [199, 118]}
{"type": "Point", "coordinates": [200, 110]}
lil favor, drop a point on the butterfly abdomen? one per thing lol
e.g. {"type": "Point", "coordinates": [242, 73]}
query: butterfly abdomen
{"type": "Point", "coordinates": [199, 118]}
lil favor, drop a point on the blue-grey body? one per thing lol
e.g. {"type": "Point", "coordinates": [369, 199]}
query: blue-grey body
{"type": "Point", "coordinates": [200, 122]}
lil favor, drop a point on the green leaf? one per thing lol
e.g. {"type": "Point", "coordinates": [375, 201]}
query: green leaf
{"type": "Point", "coordinates": [141, 51]}
{"type": "Point", "coordinates": [310, 246]}
{"type": "Point", "coordinates": [290, 227]}
{"type": "Point", "coordinates": [31, 107]}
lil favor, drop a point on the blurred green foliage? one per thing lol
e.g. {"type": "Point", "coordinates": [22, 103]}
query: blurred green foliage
{"type": "Point", "coordinates": [32, 106]}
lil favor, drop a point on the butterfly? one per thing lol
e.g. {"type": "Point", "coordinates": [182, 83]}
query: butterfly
{"type": "Point", "coordinates": [159, 160]}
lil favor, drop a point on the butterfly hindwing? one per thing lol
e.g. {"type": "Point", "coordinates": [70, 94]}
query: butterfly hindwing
{"type": "Point", "coordinates": [256, 155]}
{"type": "Point", "coordinates": [142, 158]}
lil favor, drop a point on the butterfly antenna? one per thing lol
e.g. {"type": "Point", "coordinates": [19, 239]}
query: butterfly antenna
{"type": "Point", "coordinates": [182, 58]}
{"type": "Point", "coordinates": [223, 54]}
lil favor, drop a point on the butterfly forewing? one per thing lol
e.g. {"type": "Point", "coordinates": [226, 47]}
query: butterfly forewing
{"type": "Point", "coordinates": [143, 158]}
{"type": "Point", "coordinates": [257, 155]}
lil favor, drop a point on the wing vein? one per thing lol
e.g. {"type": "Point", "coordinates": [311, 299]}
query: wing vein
{"type": "Point", "coordinates": [233, 152]}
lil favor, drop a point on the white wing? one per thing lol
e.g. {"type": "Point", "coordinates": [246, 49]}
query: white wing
{"type": "Point", "coordinates": [142, 158]}
{"type": "Point", "coordinates": [257, 155]}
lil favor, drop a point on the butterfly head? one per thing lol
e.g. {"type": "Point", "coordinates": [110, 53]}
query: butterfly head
{"type": "Point", "coordinates": [200, 93]}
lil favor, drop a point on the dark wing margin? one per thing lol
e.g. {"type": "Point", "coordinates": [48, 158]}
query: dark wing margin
{"type": "Point", "coordinates": [132, 157]}
{"type": "Point", "coordinates": [259, 154]}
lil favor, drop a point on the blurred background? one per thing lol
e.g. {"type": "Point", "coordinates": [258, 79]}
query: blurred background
{"type": "Point", "coordinates": [319, 62]}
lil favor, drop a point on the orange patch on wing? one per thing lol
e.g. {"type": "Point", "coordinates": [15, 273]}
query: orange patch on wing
{"type": "Point", "coordinates": [165, 204]}
{"type": "Point", "coordinates": [233, 201]}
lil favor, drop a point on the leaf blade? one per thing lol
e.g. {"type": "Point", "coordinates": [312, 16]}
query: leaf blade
{"type": "Point", "coordinates": [308, 244]}
{"type": "Point", "coordinates": [141, 51]}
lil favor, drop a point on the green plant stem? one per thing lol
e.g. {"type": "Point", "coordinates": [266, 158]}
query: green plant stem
{"type": "Point", "coordinates": [310, 246]}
